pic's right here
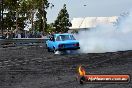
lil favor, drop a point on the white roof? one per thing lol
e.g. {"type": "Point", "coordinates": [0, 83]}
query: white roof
{"type": "Point", "coordinates": [90, 22]}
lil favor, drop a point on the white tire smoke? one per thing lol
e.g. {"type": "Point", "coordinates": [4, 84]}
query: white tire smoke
{"type": "Point", "coordinates": [107, 38]}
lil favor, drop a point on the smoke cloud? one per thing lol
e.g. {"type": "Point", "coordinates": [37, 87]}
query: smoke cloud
{"type": "Point", "coordinates": [107, 38]}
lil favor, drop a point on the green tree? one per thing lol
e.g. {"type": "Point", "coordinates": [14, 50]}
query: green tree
{"type": "Point", "coordinates": [15, 16]}
{"type": "Point", "coordinates": [10, 17]}
{"type": "Point", "coordinates": [41, 15]}
{"type": "Point", "coordinates": [19, 11]}
{"type": "Point", "coordinates": [8, 20]}
{"type": "Point", "coordinates": [62, 22]}
{"type": "Point", "coordinates": [39, 7]}
{"type": "Point", "coordinates": [50, 28]}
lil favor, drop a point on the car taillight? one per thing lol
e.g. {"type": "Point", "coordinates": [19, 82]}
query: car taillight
{"type": "Point", "coordinates": [76, 44]}
{"type": "Point", "coordinates": [61, 45]}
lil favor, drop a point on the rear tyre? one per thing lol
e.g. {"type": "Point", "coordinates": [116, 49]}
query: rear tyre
{"type": "Point", "coordinates": [56, 51]}
{"type": "Point", "coordinates": [48, 49]}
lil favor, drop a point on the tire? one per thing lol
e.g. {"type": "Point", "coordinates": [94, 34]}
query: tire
{"type": "Point", "coordinates": [48, 49]}
{"type": "Point", "coordinates": [54, 50]}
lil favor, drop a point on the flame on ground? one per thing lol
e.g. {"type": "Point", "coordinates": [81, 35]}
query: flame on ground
{"type": "Point", "coordinates": [81, 71]}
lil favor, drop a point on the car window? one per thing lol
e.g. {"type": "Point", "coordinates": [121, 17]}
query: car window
{"type": "Point", "coordinates": [58, 38]}
{"type": "Point", "coordinates": [67, 37]}
{"type": "Point", "coordinates": [72, 37]}
{"type": "Point", "coordinates": [64, 37]}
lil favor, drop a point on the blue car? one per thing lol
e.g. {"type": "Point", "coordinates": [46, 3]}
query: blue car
{"type": "Point", "coordinates": [62, 42]}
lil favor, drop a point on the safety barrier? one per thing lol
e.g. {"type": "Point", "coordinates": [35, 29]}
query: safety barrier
{"type": "Point", "coordinates": [22, 41]}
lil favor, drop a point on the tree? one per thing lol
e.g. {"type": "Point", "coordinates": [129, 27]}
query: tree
{"type": "Point", "coordinates": [20, 11]}
{"type": "Point", "coordinates": [38, 8]}
{"type": "Point", "coordinates": [62, 22]}
{"type": "Point", "coordinates": [50, 28]}
{"type": "Point", "coordinates": [30, 8]}
{"type": "Point", "coordinates": [11, 6]}
{"type": "Point", "coordinates": [15, 15]}
{"type": "Point", "coordinates": [8, 20]}
{"type": "Point", "coordinates": [42, 5]}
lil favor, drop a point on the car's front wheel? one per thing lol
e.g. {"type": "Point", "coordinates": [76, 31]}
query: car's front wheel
{"type": "Point", "coordinates": [48, 49]}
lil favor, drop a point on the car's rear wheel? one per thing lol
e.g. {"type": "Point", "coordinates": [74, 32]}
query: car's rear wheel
{"type": "Point", "coordinates": [56, 51]}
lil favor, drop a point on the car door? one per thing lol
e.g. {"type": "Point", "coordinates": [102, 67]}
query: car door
{"type": "Point", "coordinates": [51, 42]}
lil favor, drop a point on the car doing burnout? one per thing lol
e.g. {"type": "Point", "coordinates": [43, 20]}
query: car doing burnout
{"type": "Point", "coordinates": [61, 42]}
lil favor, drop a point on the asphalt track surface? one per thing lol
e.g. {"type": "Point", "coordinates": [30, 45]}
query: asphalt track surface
{"type": "Point", "coordinates": [34, 67]}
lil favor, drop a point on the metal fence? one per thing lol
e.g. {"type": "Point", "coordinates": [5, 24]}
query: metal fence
{"type": "Point", "coordinates": [22, 41]}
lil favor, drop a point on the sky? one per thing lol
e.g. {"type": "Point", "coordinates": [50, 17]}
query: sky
{"type": "Point", "coordinates": [89, 8]}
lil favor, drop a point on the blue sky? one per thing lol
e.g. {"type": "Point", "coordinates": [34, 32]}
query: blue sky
{"type": "Point", "coordinates": [76, 8]}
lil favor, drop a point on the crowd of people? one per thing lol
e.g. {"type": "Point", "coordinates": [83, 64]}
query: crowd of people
{"type": "Point", "coordinates": [9, 35]}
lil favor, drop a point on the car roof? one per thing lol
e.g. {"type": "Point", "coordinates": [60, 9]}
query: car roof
{"type": "Point", "coordinates": [62, 34]}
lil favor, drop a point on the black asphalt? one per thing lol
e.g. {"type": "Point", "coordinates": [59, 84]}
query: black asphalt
{"type": "Point", "coordinates": [34, 67]}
